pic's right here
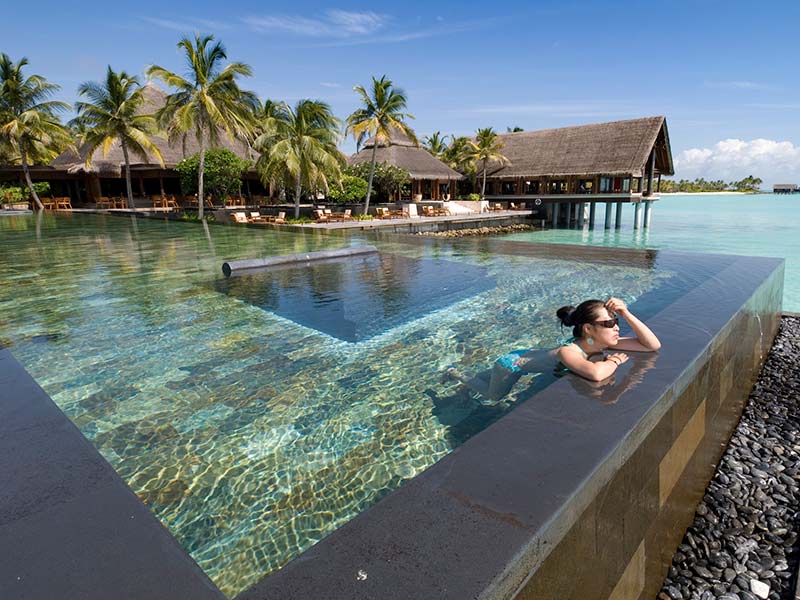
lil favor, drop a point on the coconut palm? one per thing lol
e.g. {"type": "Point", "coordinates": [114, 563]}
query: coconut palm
{"type": "Point", "coordinates": [113, 114]}
{"type": "Point", "coordinates": [29, 125]}
{"type": "Point", "coordinates": [207, 101]}
{"type": "Point", "coordinates": [436, 144]}
{"type": "Point", "coordinates": [298, 148]}
{"type": "Point", "coordinates": [485, 148]}
{"type": "Point", "coordinates": [381, 113]}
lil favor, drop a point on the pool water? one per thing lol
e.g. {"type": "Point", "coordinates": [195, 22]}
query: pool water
{"type": "Point", "coordinates": [253, 428]}
{"type": "Point", "coordinates": [748, 225]}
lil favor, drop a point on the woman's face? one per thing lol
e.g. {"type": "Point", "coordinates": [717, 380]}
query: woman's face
{"type": "Point", "coordinates": [604, 336]}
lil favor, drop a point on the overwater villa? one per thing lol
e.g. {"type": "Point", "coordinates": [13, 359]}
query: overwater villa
{"type": "Point", "coordinates": [569, 167]}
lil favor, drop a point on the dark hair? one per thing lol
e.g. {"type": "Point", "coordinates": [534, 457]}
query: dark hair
{"type": "Point", "coordinates": [576, 317]}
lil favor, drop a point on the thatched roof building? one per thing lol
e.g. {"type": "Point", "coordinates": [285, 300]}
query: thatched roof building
{"type": "Point", "coordinates": [614, 148]}
{"type": "Point", "coordinates": [605, 158]}
{"type": "Point", "coordinates": [404, 153]}
{"type": "Point", "coordinates": [430, 177]}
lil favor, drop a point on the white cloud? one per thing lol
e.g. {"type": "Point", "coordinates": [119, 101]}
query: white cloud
{"type": "Point", "coordinates": [739, 85]}
{"type": "Point", "coordinates": [733, 159]}
{"type": "Point", "coordinates": [186, 25]}
{"type": "Point", "coordinates": [335, 23]}
{"type": "Point", "coordinates": [330, 84]}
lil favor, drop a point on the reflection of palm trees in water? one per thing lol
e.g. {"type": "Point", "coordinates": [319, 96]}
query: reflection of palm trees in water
{"type": "Point", "coordinates": [388, 280]}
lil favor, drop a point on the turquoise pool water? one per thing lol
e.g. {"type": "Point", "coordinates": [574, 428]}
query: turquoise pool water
{"type": "Point", "coordinates": [754, 225]}
{"type": "Point", "coordinates": [253, 433]}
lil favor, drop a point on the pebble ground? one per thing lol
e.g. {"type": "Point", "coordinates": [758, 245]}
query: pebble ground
{"type": "Point", "coordinates": [743, 543]}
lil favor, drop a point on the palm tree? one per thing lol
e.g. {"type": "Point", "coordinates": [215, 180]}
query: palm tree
{"type": "Point", "coordinates": [207, 101]}
{"type": "Point", "coordinates": [113, 113]}
{"type": "Point", "coordinates": [381, 113]}
{"type": "Point", "coordinates": [29, 125]}
{"type": "Point", "coordinates": [436, 144]}
{"type": "Point", "coordinates": [485, 148]}
{"type": "Point", "coordinates": [298, 147]}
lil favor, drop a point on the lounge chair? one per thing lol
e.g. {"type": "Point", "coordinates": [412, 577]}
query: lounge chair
{"type": "Point", "coordinates": [104, 202]}
{"type": "Point", "coordinates": [63, 203]}
{"type": "Point", "coordinates": [348, 215]}
{"type": "Point", "coordinates": [240, 217]}
{"type": "Point", "coordinates": [257, 217]}
{"type": "Point", "coordinates": [320, 216]}
{"type": "Point", "coordinates": [281, 218]}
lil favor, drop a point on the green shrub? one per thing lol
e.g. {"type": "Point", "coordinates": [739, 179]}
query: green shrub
{"type": "Point", "coordinates": [299, 220]}
{"type": "Point", "coordinates": [474, 197]}
{"type": "Point", "coordinates": [354, 189]}
{"type": "Point", "coordinates": [222, 176]}
{"type": "Point", "coordinates": [363, 218]}
{"type": "Point", "coordinates": [386, 180]}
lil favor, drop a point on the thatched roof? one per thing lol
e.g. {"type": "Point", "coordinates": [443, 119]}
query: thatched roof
{"type": "Point", "coordinates": [404, 153]}
{"type": "Point", "coordinates": [614, 148]}
{"type": "Point", "coordinates": [113, 163]}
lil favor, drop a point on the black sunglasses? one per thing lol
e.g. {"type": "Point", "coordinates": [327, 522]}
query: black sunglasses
{"type": "Point", "coordinates": [609, 323]}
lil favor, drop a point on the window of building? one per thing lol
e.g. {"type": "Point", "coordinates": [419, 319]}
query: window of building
{"type": "Point", "coordinates": [606, 185]}
{"type": "Point", "coordinates": [585, 186]}
{"type": "Point", "coordinates": [508, 188]}
{"type": "Point", "coordinates": [531, 187]}
{"type": "Point", "coordinates": [558, 186]}
{"type": "Point", "coordinates": [626, 184]}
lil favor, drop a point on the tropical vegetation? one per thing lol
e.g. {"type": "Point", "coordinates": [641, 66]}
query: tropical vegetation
{"type": "Point", "coordinates": [113, 113]}
{"type": "Point", "coordinates": [207, 102]}
{"type": "Point", "coordinates": [381, 113]}
{"type": "Point", "coordinates": [354, 189]}
{"type": "Point", "coordinates": [387, 179]}
{"type": "Point", "coordinates": [485, 149]}
{"type": "Point", "coordinates": [436, 144]}
{"type": "Point", "coordinates": [30, 129]}
{"type": "Point", "coordinates": [748, 184]}
{"type": "Point", "coordinates": [298, 149]}
{"type": "Point", "coordinates": [223, 172]}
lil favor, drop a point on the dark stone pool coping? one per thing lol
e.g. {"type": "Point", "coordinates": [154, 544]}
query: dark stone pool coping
{"type": "Point", "coordinates": [69, 526]}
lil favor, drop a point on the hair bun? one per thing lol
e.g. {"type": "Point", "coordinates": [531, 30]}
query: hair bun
{"type": "Point", "coordinates": [564, 314]}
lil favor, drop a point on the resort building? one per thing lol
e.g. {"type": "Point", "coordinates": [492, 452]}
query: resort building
{"type": "Point", "coordinates": [69, 175]}
{"type": "Point", "coordinates": [785, 188]}
{"type": "Point", "coordinates": [569, 167]}
{"type": "Point", "coordinates": [431, 179]}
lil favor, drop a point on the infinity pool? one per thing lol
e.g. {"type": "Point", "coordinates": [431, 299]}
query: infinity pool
{"type": "Point", "coordinates": [238, 410]}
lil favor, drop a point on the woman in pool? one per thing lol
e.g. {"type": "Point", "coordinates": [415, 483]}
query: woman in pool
{"type": "Point", "coordinates": [595, 329]}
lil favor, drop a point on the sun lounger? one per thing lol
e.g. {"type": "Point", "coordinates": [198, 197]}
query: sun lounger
{"type": "Point", "coordinates": [240, 217]}
{"type": "Point", "coordinates": [281, 218]}
{"type": "Point", "coordinates": [63, 203]}
{"type": "Point", "coordinates": [320, 216]}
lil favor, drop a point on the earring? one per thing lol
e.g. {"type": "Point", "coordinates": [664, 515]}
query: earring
{"type": "Point", "coordinates": [590, 341]}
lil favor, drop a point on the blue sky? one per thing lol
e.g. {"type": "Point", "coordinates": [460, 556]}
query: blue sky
{"type": "Point", "coordinates": [724, 73]}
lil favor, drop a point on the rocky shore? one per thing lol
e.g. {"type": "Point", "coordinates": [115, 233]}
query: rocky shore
{"type": "Point", "coordinates": [743, 543]}
{"type": "Point", "coordinates": [500, 229]}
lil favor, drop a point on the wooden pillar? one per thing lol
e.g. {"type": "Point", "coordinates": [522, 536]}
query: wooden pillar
{"type": "Point", "coordinates": [592, 207]}
{"type": "Point", "coordinates": [607, 223]}
{"type": "Point", "coordinates": [647, 213]}
{"type": "Point", "coordinates": [161, 184]}
{"type": "Point", "coordinates": [141, 187]}
{"type": "Point", "coordinates": [618, 220]}
{"type": "Point", "coordinates": [581, 207]}
{"type": "Point", "coordinates": [650, 171]}
{"type": "Point", "coordinates": [637, 214]}
{"type": "Point", "coordinates": [658, 188]}
{"type": "Point", "coordinates": [555, 215]}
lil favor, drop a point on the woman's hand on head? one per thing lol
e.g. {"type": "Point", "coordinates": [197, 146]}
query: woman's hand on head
{"type": "Point", "coordinates": [616, 306]}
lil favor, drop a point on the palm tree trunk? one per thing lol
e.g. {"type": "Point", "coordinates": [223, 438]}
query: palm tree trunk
{"type": "Point", "coordinates": [24, 159]}
{"type": "Point", "coordinates": [371, 175]}
{"type": "Point", "coordinates": [128, 175]}
{"type": "Point", "coordinates": [483, 189]}
{"type": "Point", "coordinates": [298, 189]}
{"type": "Point", "coordinates": [200, 173]}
